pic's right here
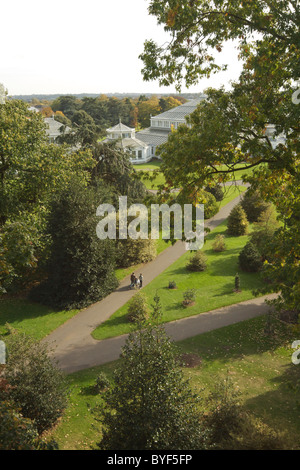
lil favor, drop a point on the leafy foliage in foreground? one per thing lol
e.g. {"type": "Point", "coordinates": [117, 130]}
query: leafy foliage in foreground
{"type": "Point", "coordinates": [150, 406]}
{"type": "Point", "coordinates": [35, 386]}
{"type": "Point", "coordinates": [19, 433]}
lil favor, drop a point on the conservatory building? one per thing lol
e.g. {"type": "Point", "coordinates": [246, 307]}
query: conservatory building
{"type": "Point", "coordinates": [163, 124]}
{"type": "Point", "coordinates": [140, 152]}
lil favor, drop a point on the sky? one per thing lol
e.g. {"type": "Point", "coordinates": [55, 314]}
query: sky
{"type": "Point", "coordinates": [90, 46]}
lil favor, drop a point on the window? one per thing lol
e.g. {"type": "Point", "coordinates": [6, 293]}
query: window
{"type": "Point", "coordinates": [140, 154]}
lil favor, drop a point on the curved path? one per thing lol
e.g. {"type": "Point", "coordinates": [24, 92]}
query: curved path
{"type": "Point", "coordinates": [74, 348]}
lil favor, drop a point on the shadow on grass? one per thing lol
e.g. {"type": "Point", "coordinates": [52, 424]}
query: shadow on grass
{"type": "Point", "coordinates": [227, 289]}
{"type": "Point", "coordinates": [182, 270]}
{"type": "Point", "coordinates": [20, 309]}
{"type": "Point", "coordinates": [175, 307]}
{"type": "Point", "coordinates": [248, 337]}
{"type": "Point", "coordinates": [223, 264]}
{"type": "Point", "coordinates": [116, 326]}
{"type": "Point", "coordinates": [280, 407]}
{"type": "Point", "coordinates": [90, 390]}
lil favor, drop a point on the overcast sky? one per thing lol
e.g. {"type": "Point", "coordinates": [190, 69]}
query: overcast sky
{"type": "Point", "coordinates": [90, 46]}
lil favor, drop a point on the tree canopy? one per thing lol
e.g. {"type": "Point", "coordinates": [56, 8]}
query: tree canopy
{"type": "Point", "coordinates": [199, 28]}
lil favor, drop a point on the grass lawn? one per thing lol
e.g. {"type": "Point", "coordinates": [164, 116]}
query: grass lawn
{"type": "Point", "coordinates": [214, 286]}
{"type": "Point", "coordinates": [160, 179]}
{"type": "Point", "coordinates": [31, 318]}
{"type": "Point", "coordinates": [260, 366]}
{"type": "Point", "coordinates": [152, 165]}
{"type": "Point", "coordinates": [230, 192]}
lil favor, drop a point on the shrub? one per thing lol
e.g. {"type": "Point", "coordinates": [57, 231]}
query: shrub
{"type": "Point", "coordinates": [253, 205]}
{"type": "Point", "coordinates": [210, 205]}
{"type": "Point", "coordinates": [131, 252]}
{"type": "Point", "coordinates": [230, 427]}
{"type": "Point", "coordinates": [237, 223]}
{"type": "Point", "coordinates": [197, 262]}
{"type": "Point", "coordinates": [250, 258]}
{"type": "Point", "coordinates": [138, 310]}
{"type": "Point", "coordinates": [102, 382]}
{"type": "Point", "coordinates": [36, 385]}
{"type": "Point", "coordinates": [172, 285]}
{"type": "Point", "coordinates": [219, 243]}
{"type": "Point", "coordinates": [263, 232]}
{"type": "Point", "coordinates": [19, 433]}
{"type": "Point", "coordinates": [18, 261]}
{"type": "Point", "coordinates": [16, 432]}
{"type": "Point", "coordinates": [223, 413]}
{"type": "Point", "coordinates": [156, 313]}
{"type": "Point", "coordinates": [237, 283]}
{"type": "Point", "coordinates": [189, 296]}
{"type": "Point", "coordinates": [216, 191]}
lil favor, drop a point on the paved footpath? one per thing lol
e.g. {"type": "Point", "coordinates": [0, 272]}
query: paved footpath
{"type": "Point", "coordinates": [75, 349]}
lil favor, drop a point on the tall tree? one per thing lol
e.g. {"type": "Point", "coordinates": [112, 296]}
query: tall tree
{"type": "Point", "coordinates": [113, 167]}
{"type": "Point", "coordinates": [146, 109]}
{"type": "Point", "coordinates": [29, 166]}
{"type": "Point", "coordinates": [68, 104]}
{"type": "Point", "coordinates": [97, 109]}
{"type": "Point", "coordinates": [31, 171]}
{"type": "Point", "coordinates": [80, 268]}
{"type": "Point", "coordinates": [168, 103]}
{"type": "Point", "coordinates": [21, 139]}
{"type": "Point", "coordinates": [85, 130]}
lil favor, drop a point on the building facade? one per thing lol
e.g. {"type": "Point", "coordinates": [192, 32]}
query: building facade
{"type": "Point", "coordinates": [162, 124]}
{"type": "Point", "coordinates": [55, 129]}
{"type": "Point", "coordinates": [125, 138]}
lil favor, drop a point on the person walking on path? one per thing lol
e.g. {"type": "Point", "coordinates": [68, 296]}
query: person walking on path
{"type": "Point", "coordinates": [132, 280]}
{"type": "Point", "coordinates": [141, 280]}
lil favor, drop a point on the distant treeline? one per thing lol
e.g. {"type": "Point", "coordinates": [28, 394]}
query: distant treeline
{"type": "Point", "coordinates": [51, 97]}
{"type": "Point", "coordinates": [100, 112]}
